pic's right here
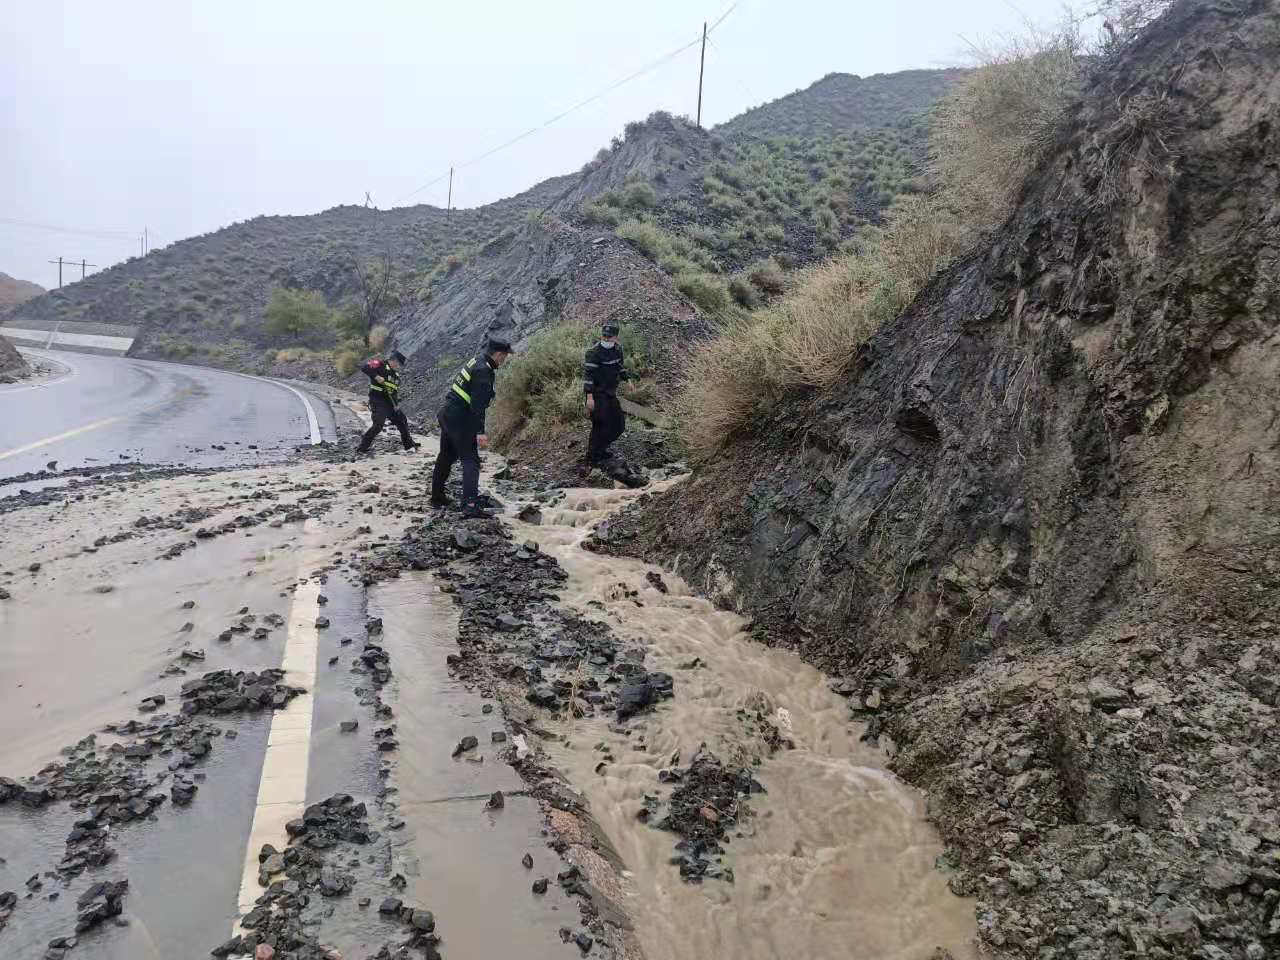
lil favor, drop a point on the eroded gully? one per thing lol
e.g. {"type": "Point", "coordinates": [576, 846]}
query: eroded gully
{"type": "Point", "coordinates": [837, 861]}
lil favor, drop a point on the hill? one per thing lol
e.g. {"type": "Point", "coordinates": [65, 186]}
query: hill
{"type": "Point", "coordinates": [12, 366]}
{"type": "Point", "coordinates": [1032, 520]}
{"type": "Point", "coordinates": [841, 102]}
{"type": "Point", "coordinates": [14, 291]}
{"type": "Point", "coordinates": [703, 206]}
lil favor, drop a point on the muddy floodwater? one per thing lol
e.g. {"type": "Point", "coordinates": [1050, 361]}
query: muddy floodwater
{"type": "Point", "coordinates": [838, 860]}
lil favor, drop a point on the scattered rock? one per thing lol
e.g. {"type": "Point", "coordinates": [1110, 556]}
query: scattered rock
{"type": "Point", "coordinates": [465, 744]}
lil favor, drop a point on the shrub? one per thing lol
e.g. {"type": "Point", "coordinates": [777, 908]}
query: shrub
{"type": "Point", "coordinates": [652, 240]}
{"type": "Point", "coordinates": [767, 277]}
{"type": "Point", "coordinates": [601, 214]}
{"type": "Point", "coordinates": [704, 290]}
{"type": "Point", "coordinates": [346, 361]}
{"type": "Point", "coordinates": [295, 312]}
{"type": "Point", "coordinates": [808, 339]}
{"type": "Point", "coordinates": [995, 127]}
{"type": "Point", "coordinates": [378, 337]}
{"type": "Point", "coordinates": [743, 293]}
{"type": "Point", "coordinates": [639, 196]}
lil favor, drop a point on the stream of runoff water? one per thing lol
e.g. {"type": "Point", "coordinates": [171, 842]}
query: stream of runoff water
{"type": "Point", "coordinates": [838, 861]}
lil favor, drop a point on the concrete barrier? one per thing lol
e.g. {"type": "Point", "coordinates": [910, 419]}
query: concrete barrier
{"type": "Point", "coordinates": [73, 337]}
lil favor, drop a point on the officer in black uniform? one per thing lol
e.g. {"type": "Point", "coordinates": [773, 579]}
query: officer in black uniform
{"type": "Point", "coordinates": [602, 370]}
{"type": "Point", "coordinates": [462, 431]}
{"type": "Point", "coordinates": [384, 400]}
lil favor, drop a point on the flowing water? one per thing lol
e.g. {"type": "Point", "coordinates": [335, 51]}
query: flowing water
{"type": "Point", "coordinates": [838, 860]}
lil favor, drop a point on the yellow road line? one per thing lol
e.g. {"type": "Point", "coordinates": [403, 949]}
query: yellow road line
{"type": "Point", "coordinates": [62, 436]}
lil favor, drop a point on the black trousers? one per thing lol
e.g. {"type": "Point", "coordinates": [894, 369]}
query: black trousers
{"type": "Point", "coordinates": [607, 423]}
{"type": "Point", "coordinates": [382, 411]}
{"type": "Point", "coordinates": [457, 442]}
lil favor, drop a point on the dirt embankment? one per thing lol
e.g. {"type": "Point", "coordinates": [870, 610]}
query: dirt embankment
{"type": "Point", "coordinates": [1036, 527]}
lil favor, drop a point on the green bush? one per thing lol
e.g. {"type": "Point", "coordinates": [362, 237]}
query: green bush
{"type": "Point", "coordinates": [292, 312]}
{"type": "Point", "coordinates": [601, 214]}
{"type": "Point", "coordinates": [652, 240]}
{"type": "Point", "coordinates": [704, 290]}
{"type": "Point", "coordinates": [639, 196]}
{"type": "Point", "coordinates": [767, 277]}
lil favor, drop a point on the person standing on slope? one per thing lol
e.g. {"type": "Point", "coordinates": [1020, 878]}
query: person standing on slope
{"type": "Point", "coordinates": [602, 370]}
{"type": "Point", "coordinates": [384, 400]}
{"type": "Point", "coordinates": [462, 430]}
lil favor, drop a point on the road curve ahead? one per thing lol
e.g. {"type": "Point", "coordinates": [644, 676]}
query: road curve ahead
{"type": "Point", "coordinates": [111, 409]}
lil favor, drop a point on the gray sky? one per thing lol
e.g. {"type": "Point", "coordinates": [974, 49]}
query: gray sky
{"type": "Point", "coordinates": [185, 117]}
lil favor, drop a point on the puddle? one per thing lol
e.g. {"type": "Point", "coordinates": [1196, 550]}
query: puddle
{"type": "Point", "coordinates": [461, 860]}
{"type": "Point", "coordinates": [838, 860]}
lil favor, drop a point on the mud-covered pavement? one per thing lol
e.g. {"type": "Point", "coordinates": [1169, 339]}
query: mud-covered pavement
{"type": "Point", "coordinates": [290, 705]}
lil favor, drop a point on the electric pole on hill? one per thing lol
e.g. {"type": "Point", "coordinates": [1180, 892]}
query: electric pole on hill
{"type": "Point", "coordinates": [702, 64]}
{"type": "Point", "coordinates": [84, 267]}
{"type": "Point", "coordinates": [448, 205]}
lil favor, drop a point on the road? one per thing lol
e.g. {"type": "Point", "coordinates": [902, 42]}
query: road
{"type": "Point", "coordinates": [112, 409]}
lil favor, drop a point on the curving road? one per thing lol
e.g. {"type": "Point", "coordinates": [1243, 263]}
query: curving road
{"type": "Point", "coordinates": [111, 409]}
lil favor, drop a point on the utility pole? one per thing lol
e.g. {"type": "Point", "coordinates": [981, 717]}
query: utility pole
{"type": "Point", "coordinates": [702, 64]}
{"type": "Point", "coordinates": [448, 206]}
{"type": "Point", "coordinates": [84, 268]}
{"type": "Point", "coordinates": [146, 242]}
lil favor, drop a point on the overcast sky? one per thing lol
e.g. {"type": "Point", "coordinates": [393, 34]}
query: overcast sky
{"type": "Point", "coordinates": [185, 117]}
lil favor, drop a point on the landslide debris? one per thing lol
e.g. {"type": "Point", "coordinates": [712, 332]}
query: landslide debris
{"type": "Point", "coordinates": [1033, 530]}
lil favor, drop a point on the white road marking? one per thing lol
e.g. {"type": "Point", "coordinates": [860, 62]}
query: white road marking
{"type": "Point", "coordinates": [282, 791]}
{"type": "Point", "coordinates": [313, 424]}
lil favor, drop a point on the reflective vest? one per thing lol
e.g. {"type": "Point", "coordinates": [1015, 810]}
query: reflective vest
{"type": "Point", "coordinates": [463, 380]}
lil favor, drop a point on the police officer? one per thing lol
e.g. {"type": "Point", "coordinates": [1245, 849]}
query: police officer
{"type": "Point", "coordinates": [384, 400]}
{"type": "Point", "coordinates": [602, 370]}
{"type": "Point", "coordinates": [462, 431]}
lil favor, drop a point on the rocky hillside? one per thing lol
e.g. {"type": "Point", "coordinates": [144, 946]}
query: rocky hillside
{"type": "Point", "coordinates": [12, 366]}
{"type": "Point", "coordinates": [202, 299]}
{"type": "Point", "coordinates": [1036, 527]}
{"type": "Point", "coordinates": [840, 102]}
{"type": "Point", "coordinates": [14, 291]}
{"type": "Point", "coordinates": [708, 205]}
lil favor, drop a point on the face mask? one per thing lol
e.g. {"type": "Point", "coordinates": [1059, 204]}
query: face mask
{"type": "Point", "coordinates": [607, 344]}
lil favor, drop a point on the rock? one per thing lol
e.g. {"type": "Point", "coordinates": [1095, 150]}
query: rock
{"type": "Point", "coordinates": [540, 885]}
{"type": "Point", "coordinates": [656, 581]}
{"type": "Point", "coordinates": [498, 736]}
{"type": "Point", "coordinates": [101, 901]}
{"type": "Point", "coordinates": [496, 801]}
{"type": "Point", "coordinates": [527, 860]}
{"type": "Point", "coordinates": [182, 792]}
{"type": "Point", "coordinates": [487, 708]}
{"type": "Point", "coordinates": [1090, 865]}
{"type": "Point", "coordinates": [391, 905]}
{"type": "Point", "coordinates": [529, 513]}
{"type": "Point", "coordinates": [4, 594]}
{"type": "Point", "coordinates": [349, 726]}
{"type": "Point", "coordinates": [272, 865]}
{"type": "Point", "coordinates": [1223, 874]}
{"type": "Point", "coordinates": [1106, 697]}
{"type": "Point", "coordinates": [188, 605]}
{"type": "Point", "coordinates": [322, 623]}
{"type": "Point", "coordinates": [465, 744]}
{"type": "Point", "coordinates": [1180, 926]}
{"type": "Point", "coordinates": [149, 704]}
{"type": "Point", "coordinates": [584, 943]}
{"type": "Point", "coordinates": [423, 920]}
{"type": "Point", "coordinates": [543, 695]}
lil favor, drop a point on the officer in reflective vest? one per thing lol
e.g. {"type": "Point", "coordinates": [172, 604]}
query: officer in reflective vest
{"type": "Point", "coordinates": [384, 400]}
{"type": "Point", "coordinates": [462, 431]}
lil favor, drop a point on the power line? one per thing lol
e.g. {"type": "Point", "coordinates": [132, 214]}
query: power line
{"type": "Point", "coordinates": [100, 234]}
{"type": "Point", "coordinates": [560, 116]}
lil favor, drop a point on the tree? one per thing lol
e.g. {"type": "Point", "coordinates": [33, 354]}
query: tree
{"type": "Point", "coordinates": [377, 288]}
{"type": "Point", "coordinates": [292, 313]}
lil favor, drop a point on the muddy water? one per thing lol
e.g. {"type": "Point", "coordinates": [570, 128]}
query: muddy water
{"type": "Point", "coordinates": [837, 862]}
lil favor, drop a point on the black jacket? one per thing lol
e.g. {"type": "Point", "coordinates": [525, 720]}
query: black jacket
{"type": "Point", "coordinates": [602, 369]}
{"type": "Point", "coordinates": [469, 394]}
{"type": "Point", "coordinates": [390, 388]}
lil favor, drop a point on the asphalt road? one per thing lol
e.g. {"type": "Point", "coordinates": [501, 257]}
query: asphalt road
{"type": "Point", "coordinates": [115, 409]}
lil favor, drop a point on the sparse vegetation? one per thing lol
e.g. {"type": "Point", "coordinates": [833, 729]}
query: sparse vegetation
{"type": "Point", "coordinates": [986, 136]}
{"type": "Point", "coordinates": [540, 389]}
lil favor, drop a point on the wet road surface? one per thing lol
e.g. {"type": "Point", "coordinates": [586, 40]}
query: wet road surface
{"type": "Point", "coordinates": [106, 410]}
